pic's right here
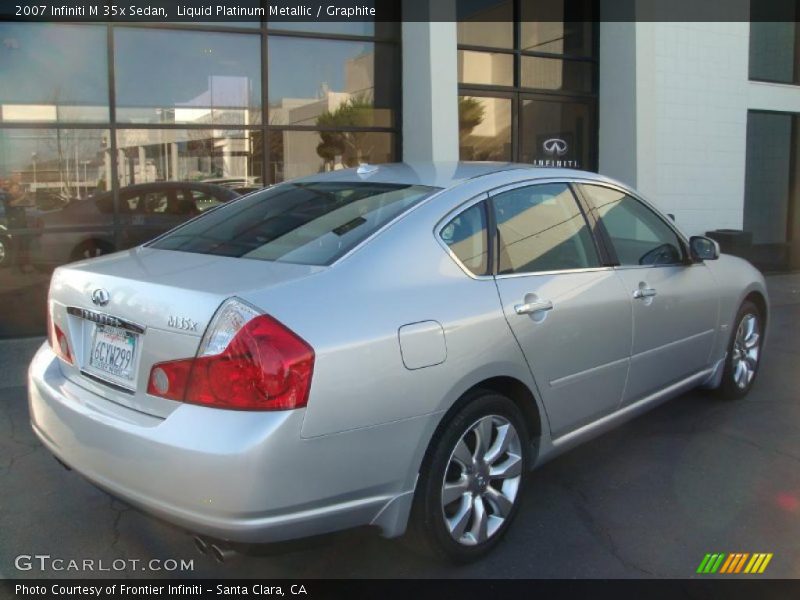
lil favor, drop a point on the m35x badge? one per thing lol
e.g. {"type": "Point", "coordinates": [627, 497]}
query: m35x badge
{"type": "Point", "coordinates": [182, 323]}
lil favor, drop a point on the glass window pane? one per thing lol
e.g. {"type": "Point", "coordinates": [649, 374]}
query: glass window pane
{"type": "Point", "coordinates": [221, 157]}
{"type": "Point", "coordinates": [486, 23]}
{"type": "Point", "coordinates": [639, 235]}
{"type": "Point", "coordinates": [298, 153]}
{"type": "Point", "coordinates": [466, 236]}
{"type": "Point", "coordinates": [557, 134]}
{"type": "Point", "coordinates": [187, 77]}
{"type": "Point", "coordinates": [45, 174]}
{"type": "Point", "coordinates": [488, 68]}
{"type": "Point", "coordinates": [558, 26]}
{"type": "Point", "coordinates": [332, 82]}
{"type": "Point", "coordinates": [306, 223]}
{"type": "Point", "coordinates": [167, 176]}
{"type": "Point", "coordinates": [768, 177]}
{"type": "Point", "coordinates": [484, 128]}
{"type": "Point", "coordinates": [52, 72]}
{"type": "Point", "coordinates": [557, 74]}
{"type": "Point", "coordinates": [774, 51]}
{"type": "Point", "coordinates": [541, 228]}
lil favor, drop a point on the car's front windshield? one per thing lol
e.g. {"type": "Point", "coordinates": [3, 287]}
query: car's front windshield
{"type": "Point", "coordinates": [307, 223]}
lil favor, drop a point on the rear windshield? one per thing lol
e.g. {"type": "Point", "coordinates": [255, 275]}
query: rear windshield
{"type": "Point", "coordinates": [306, 223]}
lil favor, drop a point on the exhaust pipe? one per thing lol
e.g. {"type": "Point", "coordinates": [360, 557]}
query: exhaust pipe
{"type": "Point", "coordinates": [222, 553]}
{"type": "Point", "coordinates": [219, 551]}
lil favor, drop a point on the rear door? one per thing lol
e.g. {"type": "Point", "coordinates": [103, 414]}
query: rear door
{"type": "Point", "coordinates": [675, 301]}
{"type": "Point", "coordinates": [568, 311]}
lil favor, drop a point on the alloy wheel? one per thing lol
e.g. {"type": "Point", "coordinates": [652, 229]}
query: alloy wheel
{"type": "Point", "coordinates": [746, 350]}
{"type": "Point", "coordinates": [482, 480]}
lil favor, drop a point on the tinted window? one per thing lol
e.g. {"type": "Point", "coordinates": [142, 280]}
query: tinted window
{"type": "Point", "coordinates": [307, 223]}
{"type": "Point", "coordinates": [541, 228]}
{"type": "Point", "coordinates": [466, 236]}
{"type": "Point", "coordinates": [639, 235]}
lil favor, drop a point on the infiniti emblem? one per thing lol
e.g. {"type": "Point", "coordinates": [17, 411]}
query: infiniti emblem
{"type": "Point", "coordinates": [100, 297]}
{"type": "Point", "coordinates": [555, 147]}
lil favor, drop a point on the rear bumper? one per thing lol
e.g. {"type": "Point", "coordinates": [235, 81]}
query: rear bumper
{"type": "Point", "coordinates": [234, 475]}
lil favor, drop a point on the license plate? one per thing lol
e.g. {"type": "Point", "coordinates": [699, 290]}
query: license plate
{"type": "Point", "coordinates": [114, 351]}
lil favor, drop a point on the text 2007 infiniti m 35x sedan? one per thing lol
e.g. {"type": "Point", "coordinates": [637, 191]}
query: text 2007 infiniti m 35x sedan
{"type": "Point", "coordinates": [388, 345]}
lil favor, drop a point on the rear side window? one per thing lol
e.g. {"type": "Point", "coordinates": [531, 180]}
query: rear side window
{"type": "Point", "coordinates": [306, 223]}
{"type": "Point", "coordinates": [639, 235]}
{"type": "Point", "coordinates": [541, 228]}
{"type": "Point", "coordinates": [467, 237]}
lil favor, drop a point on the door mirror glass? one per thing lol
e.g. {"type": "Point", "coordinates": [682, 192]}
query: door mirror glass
{"type": "Point", "coordinates": [703, 248]}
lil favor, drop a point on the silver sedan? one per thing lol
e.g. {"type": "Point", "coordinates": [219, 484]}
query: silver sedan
{"type": "Point", "coordinates": [391, 345]}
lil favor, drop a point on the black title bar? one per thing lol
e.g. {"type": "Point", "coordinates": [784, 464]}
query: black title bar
{"type": "Point", "coordinates": [276, 11]}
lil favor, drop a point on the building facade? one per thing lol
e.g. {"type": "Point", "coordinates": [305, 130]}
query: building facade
{"type": "Point", "coordinates": [94, 118]}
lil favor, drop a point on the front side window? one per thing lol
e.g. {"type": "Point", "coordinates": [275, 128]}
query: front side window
{"type": "Point", "coordinates": [311, 223]}
{"type": "Point", "coordinates": [466, 236]}
{"type": "Point", "coordinates": [541, 228]}
{"type": "Point", "coordinates": [639, 236]}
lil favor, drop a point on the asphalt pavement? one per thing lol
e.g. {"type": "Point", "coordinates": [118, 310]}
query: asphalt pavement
{"type": "Point", "coordinates": [696, 475]}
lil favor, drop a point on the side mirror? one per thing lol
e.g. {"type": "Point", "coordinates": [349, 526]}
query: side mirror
{"type": "Point", "coordinates": [703, 248]}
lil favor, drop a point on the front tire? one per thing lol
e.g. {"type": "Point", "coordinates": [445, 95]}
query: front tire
{"type": "Point", "coordinates": [744, 353]}
{"type": "Point", "coordinates": [471, 483]}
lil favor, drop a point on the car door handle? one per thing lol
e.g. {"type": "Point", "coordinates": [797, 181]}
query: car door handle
{"type": "Point", "coordinates": [644, 292]}
{"type": "Point", "coordinates": [533, 307]}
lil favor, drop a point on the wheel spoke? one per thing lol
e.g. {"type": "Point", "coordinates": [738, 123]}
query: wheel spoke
{"type": "Point", "coordinates": [453, 491]}
{"type": "Point", "coordinates": [462, 454]}
{"type": "Point", "coordinates": [480, 524]}
{"type": "Point", "coordinates": [751, 341]}
{"type": "Point", "coordinates": [458, 522]}
{"type": "Point", "coordinates": [511, 467]}
{"type": "Point", "coordinates": [740, 373]}
{"type": "Point", "coordinates": [483, 433]}
{"type": "Point", "coordinates": [501, 503]}
{"type": "Point", "coordinates": [500, 444]}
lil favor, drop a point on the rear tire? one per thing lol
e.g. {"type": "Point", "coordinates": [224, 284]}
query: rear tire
{"type": "Point", "coordinates": [471, 482]}
{"type": "Point", "coordinates": [744, 353]}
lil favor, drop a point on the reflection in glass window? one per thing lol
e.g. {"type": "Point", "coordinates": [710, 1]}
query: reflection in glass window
{"type": "Point", "coordinates": [557, 26]}
{"type": "Point", "coordinates": [187, 77]}
{"type": "Point", "coordinates": [484, 128]}
{"type": "Point", "coordinates": [639, 236]}
{"type": "Point", "coordinates": [541, 228]}
{"type": "Point", "coordinates": [486, 23]}
{"type": "Point", "coordinates": [556, 74]}
{"type": "Point", "coordinates": [466, 236]}
{"type": "Point", "coordinates": [226, 157]}
{"type": "Point", "coordinates": [298, 153]}
{"type": "Point", "coordinates": [331, 82]}
{"type": "Point", "coordinates": [556, 133]}
{"type": "Point", "coordinates": [485, 68]}
{"type": "Point", "coordinates": [51, 167]}
{"type": "Point", "coordinates": [53, 73]}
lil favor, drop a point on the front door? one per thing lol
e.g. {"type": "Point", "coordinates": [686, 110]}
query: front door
{"type": "Point", "coordinates": [675, 302]}
{"type": "Point", "coordinates": [570, 315]}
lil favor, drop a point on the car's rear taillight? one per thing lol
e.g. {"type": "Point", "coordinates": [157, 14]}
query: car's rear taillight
{"type": "Point", "coordinates": [246, 361]}
{"type": "Point", "coordinates": [59, 342]}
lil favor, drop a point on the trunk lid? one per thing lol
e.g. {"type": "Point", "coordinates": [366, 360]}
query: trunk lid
{"type": "Point", "coordinates": [127, 311]}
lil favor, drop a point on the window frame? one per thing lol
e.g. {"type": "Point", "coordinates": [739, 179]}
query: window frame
{"type": "Point", "coordinates": [606, 259]}
{"type": "Point", "coordinates": [605, 238]}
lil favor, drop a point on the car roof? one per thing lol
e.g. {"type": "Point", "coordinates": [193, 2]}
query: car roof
{"type": "Point", "coordinates": [441, 174]}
